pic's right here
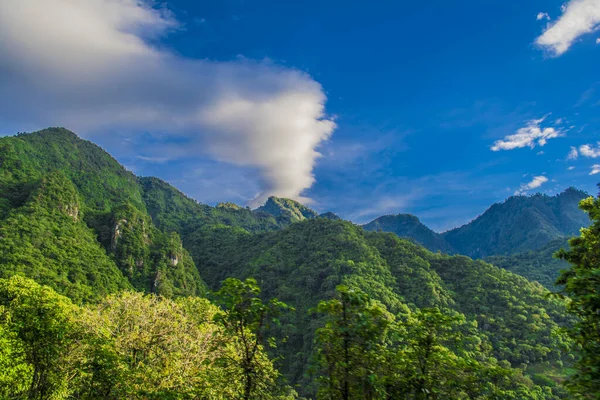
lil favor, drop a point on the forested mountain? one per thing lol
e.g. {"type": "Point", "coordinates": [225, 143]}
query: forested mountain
{"type": "Point", "coordinates": [409, 226]}
{"type": "Point", "coordinates": [286, 210]}
{"type": "Point", "coordinates": [536, 265]}
{"type": "Point", "coordinates": [306, 261]}
{"type": "Point", "coordinates": [75, 219]}
{"type": "Point", "coordinates": [519, 224]}
{"type": "Point", "coordinates": [72, 218]}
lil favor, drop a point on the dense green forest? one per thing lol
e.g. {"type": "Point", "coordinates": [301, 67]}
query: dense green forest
{"type": "Point", "coordinates": [114, 286]}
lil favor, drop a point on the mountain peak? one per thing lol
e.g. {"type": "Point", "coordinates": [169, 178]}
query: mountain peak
{"type": "Point", "coordinates": [287, 209]}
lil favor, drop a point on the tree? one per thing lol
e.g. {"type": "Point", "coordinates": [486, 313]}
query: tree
{"type": "Point", "coordinates": [582, 286]}
{"type": "Point", "coordinates": [349, 343]}
{"type": "Point", "coordinates": [37, 325]}
{"type": "Point", "coordinates": [247, 317]}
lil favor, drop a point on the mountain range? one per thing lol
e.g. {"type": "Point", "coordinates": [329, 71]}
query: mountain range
{"type": "Point", "coordinates": [72, 218]}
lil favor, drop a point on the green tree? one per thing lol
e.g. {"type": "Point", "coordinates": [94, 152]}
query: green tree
{"type": "Point", "coordinates": [247, 318]}
{"type": "Point", "coordinates": [582, 286]}
{"type": "Point", "coordinates": [348, 346]}
{"type": "Point", "coordinates": [37, 326]}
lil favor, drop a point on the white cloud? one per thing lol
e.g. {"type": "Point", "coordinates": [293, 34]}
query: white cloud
{"type": "Point", "coordinates": [529, 136]}
{"type": "Point", "coordinates": [598, 41]}
{"type": "Point", "coordinates": [579, 17]}
{"type": "Point", "coordinates": [573, 154]}
{"type": "Point", "coordinates": [535, 183]}
{"type": "Point", "coordinates": [90, 66]}
{"type": "Point", "coordinates": [589, 151]}
{"type": "Point", "coordinates": [595, 169]}
{"type": "Point", "coordinates": [542, 16]}
{"type": "Point", "coordinates": [571, 168]}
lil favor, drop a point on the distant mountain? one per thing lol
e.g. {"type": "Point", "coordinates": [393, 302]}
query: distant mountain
{"type": "Point", "coordinates": [286, 210]}
{"type": "Point", "coordinates": [519, 224]}
{"type": "Point", "coordinates": [329, 215]}
{"type": "Point", "coordinates": [409, 226]}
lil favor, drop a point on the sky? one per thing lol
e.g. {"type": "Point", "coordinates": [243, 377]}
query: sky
{"type": "Point", "coordinates": [360, 108]}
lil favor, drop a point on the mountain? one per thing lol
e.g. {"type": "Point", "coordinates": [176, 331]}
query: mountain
{"type": "Point", "coordinates": [409, 226]}
{"type": "Point", "coordinates": [286, 210]}
{"type": "Point", "coordinates": [71, 217]}
{"type": "Point", "coordinates": [536, 265]}
{"type": "Point", "coordinates": [519, 224]}
{"type": "Point", "coordinates": [305, 261]}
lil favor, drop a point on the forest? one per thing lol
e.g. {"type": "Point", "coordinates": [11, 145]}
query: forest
{"type": "Point", "coordinates": [115, 286]}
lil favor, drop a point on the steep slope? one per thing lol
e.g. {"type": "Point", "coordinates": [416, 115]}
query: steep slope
{"type": "Point", "coordinates": [46, 239]}
{"type": "Point", "coordinates": [519, 224]}
{"type": "Point", "coordinates": [286, 210]}
{"type": "Point", "coordinates": [304, 262]}
{"type": "Point", "coordinates": [536, 265]}
{"type": "Point", "coordinates": [409, 226]}
{"type": "Point", "coordinates": [111, 232]}
{"type": "Point", "coordinates": [173, 211]}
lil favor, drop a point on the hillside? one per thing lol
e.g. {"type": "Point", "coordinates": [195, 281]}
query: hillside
{"type": "Point", "coordinates": [536, 265]}
{"type": "Point", "coordinates": [409, 226]}
{"type": "Point", "coordinates": [519, 224]}
{"type": "Point", "coordinates": [304, 263]}
{"type": "Point", "coordinates": [286, 210]}
{"type": "Point", "coordinates": [74, 219]}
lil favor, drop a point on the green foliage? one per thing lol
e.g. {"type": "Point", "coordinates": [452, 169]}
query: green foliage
{"type": "Point", "coordinates": [348, 346]}
{"type": "Point", "coordinates": [365, 353]}
{"type": "Point", "coordinates": [39, 334]}
{"type": "Point", "coordinates": [71, 217]}
{"type": "Point", "coordinates": [582, 286]}
{"type": "Point", "coordinates": [409, 226]}
{"type": "Point", "coordinates": [286, 211]}
{"type": "Point", "coordinates": [246, 317]}
{"type": "Point", "coordinates": [304, 263]}
{"type": "Point", "coordinates": [536, 265]}
{"type": "Point", "coordinates": [46, 239]}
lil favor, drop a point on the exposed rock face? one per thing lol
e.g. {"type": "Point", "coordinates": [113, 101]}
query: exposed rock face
{"type": "Point", "coordinates": [117, 233]}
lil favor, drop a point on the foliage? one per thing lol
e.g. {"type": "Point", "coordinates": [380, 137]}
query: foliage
{"type": "Point", "coordinates": [582, 286]}
{"type": "Point", "coordinates": [39, 334]}
{"type": "Point", "coordinates": [286, 211]}
{"type": "Point", "coordinates": [246, 318]}
{"type": "Point", "coordinates": [304, 263]}
{"type": "Point", "coordinates": [535, 265]}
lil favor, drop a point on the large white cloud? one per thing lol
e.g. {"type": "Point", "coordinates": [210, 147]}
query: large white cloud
{"type": "Point", "coordinates": [531, 135]}
{"type": "Point", "coordinates": [535, 183]}
{"type": "Point", "coordinates": [579, 17]}
{"type": "Point", "coordinates": [90, 66]}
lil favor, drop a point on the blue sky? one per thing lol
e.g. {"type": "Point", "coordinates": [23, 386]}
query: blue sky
{"type": "Point", "coordinates": [436, 109]}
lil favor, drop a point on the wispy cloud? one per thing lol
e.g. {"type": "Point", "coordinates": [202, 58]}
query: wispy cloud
{"type": "Point", "coordinates": [535, 183]}
{"type": "Point", "coordinates": [89, 66]}
{"type": "Point", "coordinates": [595, 169]}
{"type": "Point", "coordinates": [573, 154]}
{"type": "Point", "coordinates": [531, 135]}
{"type": "Point", "coordinates": [590, 151]}
{"type": "Point", "coordinates": [579, 17]}
{"type": "Point", "coordinates": [543, 15]}
{"type": "Point", "coordinates": [571, 168]}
